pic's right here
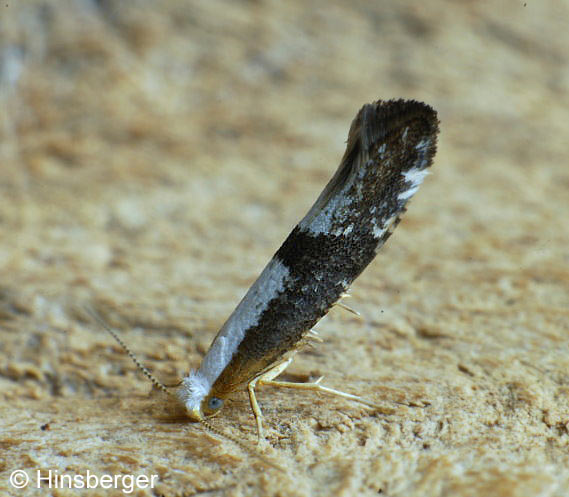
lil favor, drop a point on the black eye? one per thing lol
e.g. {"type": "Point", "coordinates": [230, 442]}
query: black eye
{"type": "Point", "coordinates": [215, 403]}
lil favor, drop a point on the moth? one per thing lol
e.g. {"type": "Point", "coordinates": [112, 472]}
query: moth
{"type": "Point", "coordinates": [390, 146]}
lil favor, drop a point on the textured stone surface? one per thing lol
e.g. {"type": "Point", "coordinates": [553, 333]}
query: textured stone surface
{"type": "Point", "coordinates": [153, 157]}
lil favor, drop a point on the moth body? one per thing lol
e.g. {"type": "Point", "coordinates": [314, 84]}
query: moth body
{"type": "Point", "coordinates": [390, 146]}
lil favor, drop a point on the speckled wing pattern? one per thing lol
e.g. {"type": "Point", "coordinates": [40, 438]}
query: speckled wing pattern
{"type": "Point", "coordinates": [390, 146]}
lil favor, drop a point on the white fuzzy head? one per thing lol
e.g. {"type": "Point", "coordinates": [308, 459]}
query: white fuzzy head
{"type": "Point", "coordinates": [195, 387]}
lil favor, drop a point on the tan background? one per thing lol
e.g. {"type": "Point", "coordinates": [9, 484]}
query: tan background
{"type": "Point", "coordinates": [154, 155]}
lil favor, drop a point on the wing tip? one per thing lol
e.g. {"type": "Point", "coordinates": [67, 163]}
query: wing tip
{"type": "Point", "coordinates": [380, 119]}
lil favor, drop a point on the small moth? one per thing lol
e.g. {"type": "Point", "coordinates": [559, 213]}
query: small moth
{"type": "Point", "coordinates": [390, 146]}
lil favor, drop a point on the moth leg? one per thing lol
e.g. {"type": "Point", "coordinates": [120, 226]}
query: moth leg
{"type": "Point", "coordinates": [263, 379]}
{"type": "Point", "coordinates": [340, 304]}
{"type": "Point", "coordinates": [316, 386]}
{"type": "Point", "coordinates": [256, 410]}
{"type": "Point", "coordinates": [347, 308]}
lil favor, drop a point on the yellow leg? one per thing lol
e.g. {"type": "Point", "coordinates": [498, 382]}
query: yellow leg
{"type": "Point", "coordinates": [316, 386]}
{"type": "Point", "coordinates": [267, 378]}
{"type": "Point", "coordinates": [263, 379]}
{"type": "Point", "coordinates": [347, 308]}
{"type": "Point", "coordinates": [256, 410]}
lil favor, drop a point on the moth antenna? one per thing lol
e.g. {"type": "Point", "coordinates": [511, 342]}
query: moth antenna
{"type": "Point", "coordinates": [240, 444]}
{"type": "Point", "coordinates": [163, 387]}
{"type": "Point", "coordinates": [125, 347]}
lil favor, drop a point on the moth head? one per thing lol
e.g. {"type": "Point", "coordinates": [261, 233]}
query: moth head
{"type": "Point", "coordinates": [198, 398]}
{"type": "Point", "coordinates": [211, 405]}
{"type": "Point", "coordinates": [208, 407]}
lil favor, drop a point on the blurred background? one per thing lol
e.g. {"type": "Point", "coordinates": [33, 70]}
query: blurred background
{"type": "Point", "coordinates": [166, 122]}
{"type": "Point", "coordinates": [154, 155]}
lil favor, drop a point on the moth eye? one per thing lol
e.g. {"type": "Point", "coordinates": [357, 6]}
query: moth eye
{"type": "Point", "coordinates": [215, 403]}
